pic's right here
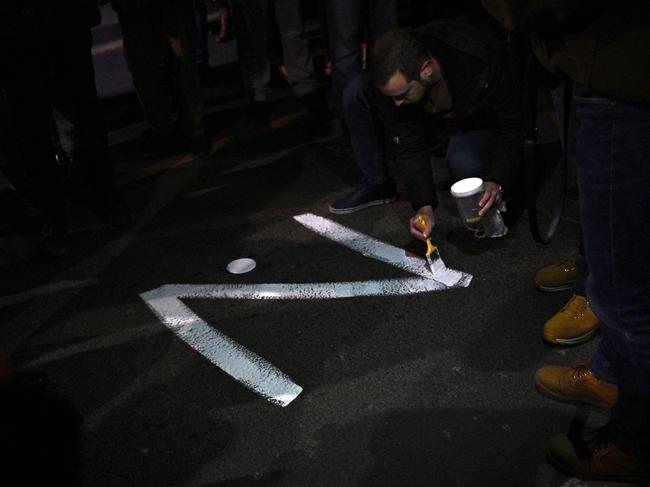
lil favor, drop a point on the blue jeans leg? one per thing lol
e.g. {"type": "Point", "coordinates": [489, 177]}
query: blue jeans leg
{"type": "Point", "coordinates": [201, 19]}
{"type": "Point", "coordinates": [582, 269]}
{"type": "Point", "coordinates": [366, 132]}
{"type": "Point", "coordinates": [349, 23]}
{"type": "Point", "coordinates": [600, 364]}
{"type": "Point", "coordinates": [613, 153]}
{"type": "Point", "coordinates": [468, 154]}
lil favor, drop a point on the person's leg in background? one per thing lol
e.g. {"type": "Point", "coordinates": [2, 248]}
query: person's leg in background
{"type": "Point", "coordinates": [592, 383]}
{"type": "Point", "coordinates": [202, 51]}
{"type": "Point", "coordinates": [27, 81]}
{"type": "Point", "coordinates": [179, 31]}
{"type": "Point", "coordinates": [32, 148]}
{"type": "Point", "coordinates": [250, 22]}
{"type": "Point", "coordinates": [348, 27]}
{"type": "Point", "coordinates": [345, 29]}
{"type": "Point", "coordinates": [613, 154]}
{"type": "Point", "coordinates": [322, 20]}
{"type": "Point", "coordinates": [80, 122]}
{"type": "Point", "coordinates": [382, 16]}
{"type": "Point", "coordinates": [588, 384]}
{"type": "Point", "coordinates": [575, 323]}
{"type": "Point", "coordinates": [143, 42]}
{"type": "Point", "coordinates": [297, 57]}
{"type": "Point", "coordinates": [349, 24]}
{"type": "Point", "coordinates": [569, 133]}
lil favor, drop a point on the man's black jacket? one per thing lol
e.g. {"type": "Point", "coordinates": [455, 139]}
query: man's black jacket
{"type": "Point", "coordinates": [484, 94]}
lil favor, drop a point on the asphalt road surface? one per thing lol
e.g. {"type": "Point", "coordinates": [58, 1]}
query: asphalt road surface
{"type": "Point", "coordinates": [396, 383]}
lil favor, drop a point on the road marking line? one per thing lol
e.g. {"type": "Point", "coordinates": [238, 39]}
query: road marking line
{"type": "Point", "coordinates": [373, 248]}
{"type": "Point", "coordinates": [231, 357]}
{"type": "Point", "coordinates": [250, 369]}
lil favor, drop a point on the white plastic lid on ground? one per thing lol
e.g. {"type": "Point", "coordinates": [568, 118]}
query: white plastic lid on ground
{"type": "Point", "coordinates": [241, 266]}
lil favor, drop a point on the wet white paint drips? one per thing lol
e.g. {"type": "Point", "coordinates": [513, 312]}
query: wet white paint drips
{"type": "Point", "coordinates": [381, 251]}
{"type": "Point", "coordinates": [245, 366]}
{"type": "Point", "coordinates": [237, 361]}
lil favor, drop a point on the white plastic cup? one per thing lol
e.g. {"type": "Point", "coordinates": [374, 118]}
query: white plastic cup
{"type": "Point", "coordinates": [467, 193]}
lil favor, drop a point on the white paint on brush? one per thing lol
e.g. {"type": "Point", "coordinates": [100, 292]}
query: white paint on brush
{"type": "Point", "coordinates": [249, 368]}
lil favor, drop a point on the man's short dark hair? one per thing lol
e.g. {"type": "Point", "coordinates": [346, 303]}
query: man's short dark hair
{"type": "Point", "coordinates": [398, 50]}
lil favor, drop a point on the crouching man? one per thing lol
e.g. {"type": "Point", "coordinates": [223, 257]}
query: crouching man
{"type": "Point", "coordinates": [463, 76]}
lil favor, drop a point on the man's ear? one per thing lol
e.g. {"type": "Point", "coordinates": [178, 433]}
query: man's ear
{"type": "Point", "coordinates": [426, 70]}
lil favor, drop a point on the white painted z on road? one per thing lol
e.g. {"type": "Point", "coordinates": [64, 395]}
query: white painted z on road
{"type": "Point", "coordinates": [245, 366]}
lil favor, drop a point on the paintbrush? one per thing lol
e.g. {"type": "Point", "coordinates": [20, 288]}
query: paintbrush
{"type": "Point", "coordinates": [433, 255]}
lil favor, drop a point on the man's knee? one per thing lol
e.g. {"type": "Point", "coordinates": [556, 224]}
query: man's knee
{"type": "Point", "coordinates": [465, 164]}
{"type": "Point", "coordinates": [469, 154]}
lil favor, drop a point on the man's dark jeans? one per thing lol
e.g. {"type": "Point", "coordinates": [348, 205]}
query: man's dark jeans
{"type": "Point", "coordinates": [613, 153]}
{"type": "Point", "coordinates": [468, 153]}
{"type": "Point", "coordinates": [365, 129]}
{"type": "Point", "coordinates": [351, 22]}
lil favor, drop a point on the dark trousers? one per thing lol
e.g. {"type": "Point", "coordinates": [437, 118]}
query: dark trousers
{"type": "Point", "coordinates": [582, 268]}
{"type": "Point", "coordinates": [45, 71]}
{"type": "Point", "coordinates": [468, 153]}
{"type": "Point", "coordinates": [251, 23]}
{"type": "Point", "coordinates": [613, 153]}
{"type": "Point", "coordinates": [366, 131]}
{"type": "Point", "coordinates": [165, 28]}
{"type": "Point", "coordinates": [201, 20]}
{"type": "Point", "coordinates": [349, 23]}
{"type": "Point", "coordinates": [557, 97]}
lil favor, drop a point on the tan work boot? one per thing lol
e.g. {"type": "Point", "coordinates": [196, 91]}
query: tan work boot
{"type": "Point", "coordinates": [557, 277]}
{"type": "Point", "coordinates": [595, 457]}
{"type": "Point", "coordinates": [574, 323]}
{"type": "Point", "coordinates": [576, 385]}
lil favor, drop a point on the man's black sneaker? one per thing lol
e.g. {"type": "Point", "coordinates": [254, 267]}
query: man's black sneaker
{"type": "Point", "coordinates": [364, 196]}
